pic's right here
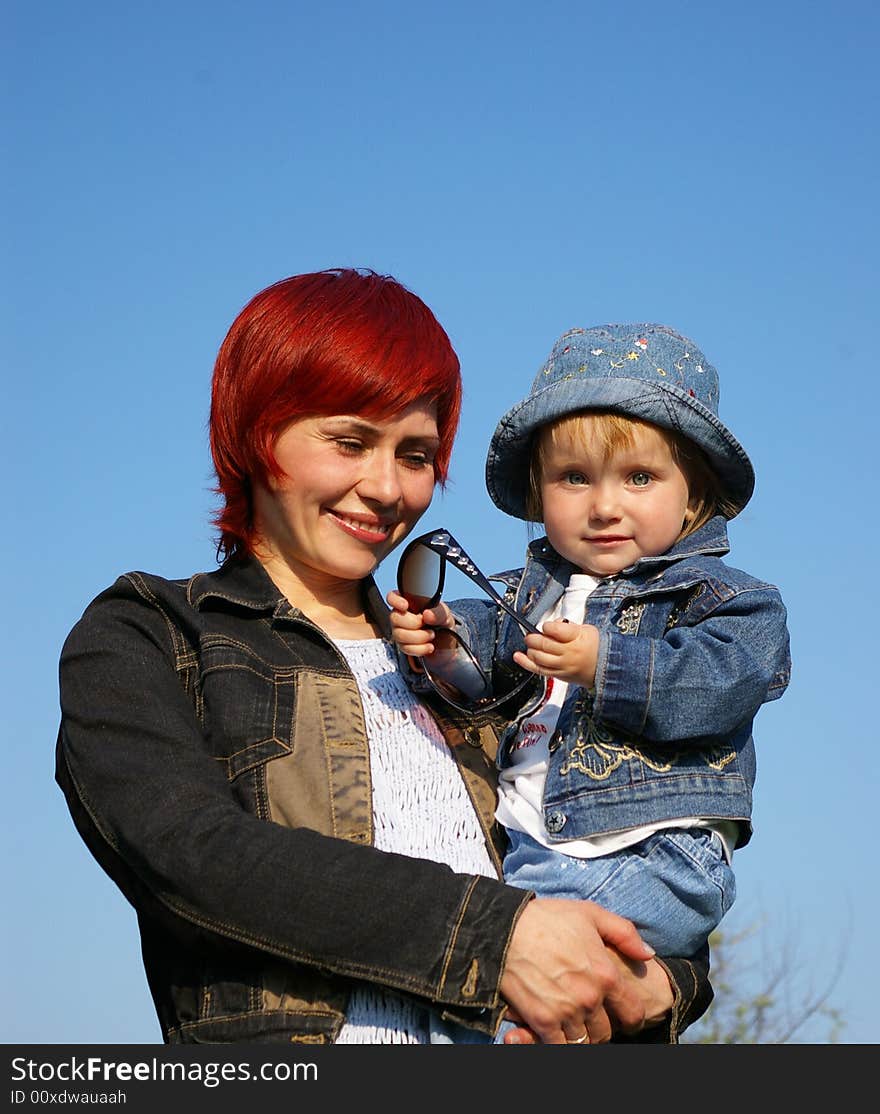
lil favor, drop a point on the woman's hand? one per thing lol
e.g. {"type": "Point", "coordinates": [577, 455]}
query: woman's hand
{"type": "Point", "coordinates": [649, 980]}
{"type": "Point", "coordinates": [575, 969]}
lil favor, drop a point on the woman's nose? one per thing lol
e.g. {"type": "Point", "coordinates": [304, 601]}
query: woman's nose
{"type": "Point", "coordinates": [380, 482]}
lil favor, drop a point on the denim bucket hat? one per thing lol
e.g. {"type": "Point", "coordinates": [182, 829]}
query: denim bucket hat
{"type": "Point", "coordinates": [644, 371]}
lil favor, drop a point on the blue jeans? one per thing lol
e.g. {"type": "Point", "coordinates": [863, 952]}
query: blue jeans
{"type": "Point", "coordinates": [675, 886]}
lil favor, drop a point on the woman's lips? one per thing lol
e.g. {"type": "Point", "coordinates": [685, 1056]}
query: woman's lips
{"type": "Point", "coordinates": [366, 530]}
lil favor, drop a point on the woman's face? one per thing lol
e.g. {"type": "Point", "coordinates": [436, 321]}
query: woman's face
{"type": "Point", "coordinates": [352, 489]}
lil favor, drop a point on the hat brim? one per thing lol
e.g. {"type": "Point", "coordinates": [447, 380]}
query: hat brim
{"type": "Point", "coordinates": [507, 464]}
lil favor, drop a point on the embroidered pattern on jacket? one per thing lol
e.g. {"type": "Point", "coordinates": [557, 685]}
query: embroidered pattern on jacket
{"type": "Point", "coordinates": [716, 758]}
{"type": "Point", "coordinates": [597, 755]}
{"type": "Point", "coordinates": [681, 608]}
{"type": "Point", "coordinates": [630, 617]}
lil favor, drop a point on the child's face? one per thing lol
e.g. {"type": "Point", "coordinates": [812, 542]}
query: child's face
{"type": "Point", "coordinates": [603, 513]}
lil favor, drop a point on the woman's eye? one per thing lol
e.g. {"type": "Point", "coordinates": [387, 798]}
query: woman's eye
{"type": "Point", "coordinates": [349, 444]}
{"type": "Point", "coordinates": [417, 460]}
{"type": "Point", "coordinates": [640, 479]}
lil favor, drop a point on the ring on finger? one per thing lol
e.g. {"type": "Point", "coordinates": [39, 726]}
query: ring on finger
{"type": "Point", "coordinates": [584, 1039]}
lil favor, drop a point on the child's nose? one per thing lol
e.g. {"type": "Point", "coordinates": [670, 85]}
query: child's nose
{"type": "Point", "coordinates": [606, 504]}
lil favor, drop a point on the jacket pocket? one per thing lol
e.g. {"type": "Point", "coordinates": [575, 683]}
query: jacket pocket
{"type": "Point", "coordinates": [249, 706]}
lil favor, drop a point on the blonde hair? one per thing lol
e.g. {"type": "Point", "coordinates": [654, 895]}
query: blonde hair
{"type": "Point", "coordinates": [612, 432]}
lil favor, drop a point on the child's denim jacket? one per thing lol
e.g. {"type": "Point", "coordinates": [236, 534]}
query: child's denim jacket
{"type": "Point", "coordinates": [689, 649]}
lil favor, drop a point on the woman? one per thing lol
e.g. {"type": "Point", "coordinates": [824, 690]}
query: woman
{"type": "Point", "coordinates": [240, 754]}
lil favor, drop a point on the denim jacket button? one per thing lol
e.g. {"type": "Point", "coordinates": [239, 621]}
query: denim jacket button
{"type": "Point", "coordinates": [555, 822]}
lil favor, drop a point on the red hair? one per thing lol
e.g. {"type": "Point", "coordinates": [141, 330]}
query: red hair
{"type": "Point", "coordinates": [334, 342]}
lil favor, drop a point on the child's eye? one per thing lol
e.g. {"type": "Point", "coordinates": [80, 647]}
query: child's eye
{"type": "Point", "coordinates": [640, 479]}
{"type": "Point", "coordinates": [576, 479]}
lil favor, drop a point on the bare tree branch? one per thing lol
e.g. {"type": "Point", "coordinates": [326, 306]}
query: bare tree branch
{"type": "Point", "coordinates": [767, 995]}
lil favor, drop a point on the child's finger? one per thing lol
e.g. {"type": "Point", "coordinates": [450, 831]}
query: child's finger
{"type": "Point", "coordinates": [543, 644]}
{"type": "Point", "coordinates": [438, 616]}
{"type": "Point", "coordinates": [396, 601]}
{"type": "Point", "coordinates": [561, 630]}
{"type": "Point", "coordinates": [416, 649]}
{"type": "Point", "coordinates": [406, 621]}
{"type": "Point", "coordinates": [419, 641]}
{"type": "Point", "coordinates": [525, 662]}
{"type": "Point", "coordinates": [543, 664]}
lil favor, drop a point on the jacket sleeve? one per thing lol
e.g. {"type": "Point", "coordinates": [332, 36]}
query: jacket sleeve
{"type": "Point", "coordinates": [476, 621]}
{"type": "Point", "coordinates": [699, 682]}
{"type": "Point", "coordinates": [157, 812]}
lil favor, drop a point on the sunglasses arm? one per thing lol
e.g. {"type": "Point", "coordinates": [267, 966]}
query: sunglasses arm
{"type": "Point", "coordinates": [442, 542]}
{"type": "Point", "coordinates": [474, 573]}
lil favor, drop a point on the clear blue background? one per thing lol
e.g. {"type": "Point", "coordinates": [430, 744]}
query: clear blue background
{"type": "Point", "coordinates": [525, 168]}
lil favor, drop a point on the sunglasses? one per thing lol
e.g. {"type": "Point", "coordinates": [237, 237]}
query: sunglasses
{"type": "Point", "coordinates": [452, 669]}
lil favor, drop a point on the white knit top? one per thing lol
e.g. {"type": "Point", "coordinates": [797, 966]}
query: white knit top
{"type": "Point", "coordinates": [420, 808]}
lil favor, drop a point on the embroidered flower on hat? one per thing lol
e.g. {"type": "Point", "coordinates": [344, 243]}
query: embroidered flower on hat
{"type": "Point", "coordinates": [642, 342]}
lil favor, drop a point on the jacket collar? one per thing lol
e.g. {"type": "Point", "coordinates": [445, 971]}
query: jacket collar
{"type": "Point", "coordinates": [243, 582]}
{"type": "Point", "coordinates": [709, 541]}
{"type": "Point", "coordinates": [239, 580]}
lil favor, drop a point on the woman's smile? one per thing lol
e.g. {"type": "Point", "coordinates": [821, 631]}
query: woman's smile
{"type": "Point", "coordinates": [365, 529]}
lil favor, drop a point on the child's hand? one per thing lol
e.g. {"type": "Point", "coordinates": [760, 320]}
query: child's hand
{"type": "Point", "coordinates": [410, 629]}
{"type": "Point", "coordinates": [564, 650]}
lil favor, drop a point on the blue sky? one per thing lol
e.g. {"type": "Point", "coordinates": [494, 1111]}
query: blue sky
{"type": "Point", "coordinates": [525, 169]}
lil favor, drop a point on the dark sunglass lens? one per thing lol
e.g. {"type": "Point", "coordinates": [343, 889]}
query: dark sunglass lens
{"type": "Point", "coordinates": [419, 577]}
{"type": "Point", "coordinates": [445, 642]}
{"type": "Point", "coordinates": [453, 669]}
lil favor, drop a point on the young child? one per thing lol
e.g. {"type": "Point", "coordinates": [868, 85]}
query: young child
{"type": "Point", "coordinates": [631, 783]}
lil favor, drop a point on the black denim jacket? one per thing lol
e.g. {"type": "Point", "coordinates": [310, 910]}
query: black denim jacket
{"type": "Point", "coordinates": [214, 758]}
